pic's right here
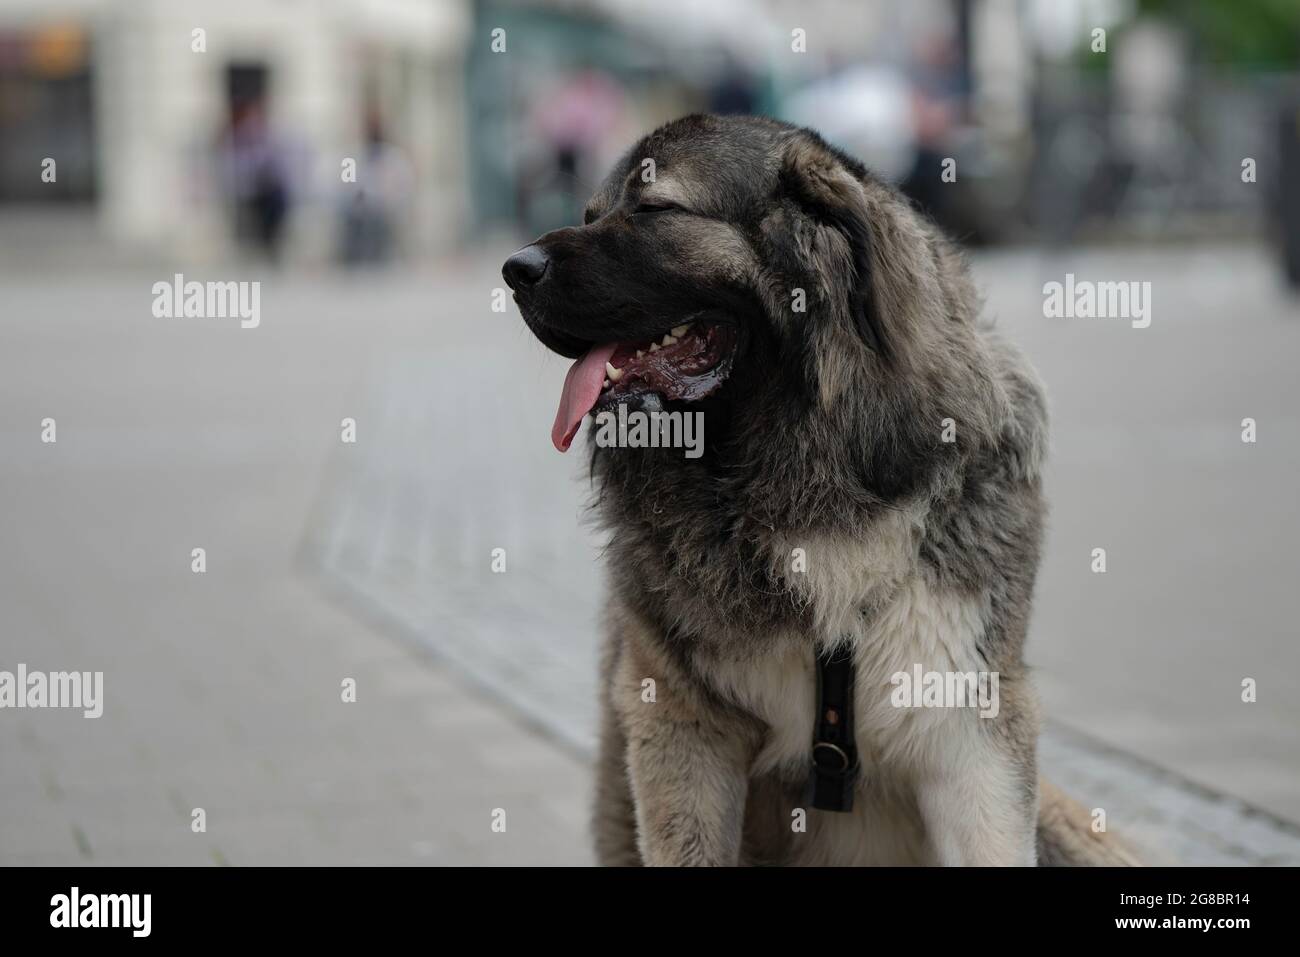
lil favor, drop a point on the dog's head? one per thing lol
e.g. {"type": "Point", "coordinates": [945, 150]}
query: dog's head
{"type": "Point", "coordinates": [744, 266]}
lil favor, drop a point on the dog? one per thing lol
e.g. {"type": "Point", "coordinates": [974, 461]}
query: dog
{"type": "Point", "coordinates": [867, 506]}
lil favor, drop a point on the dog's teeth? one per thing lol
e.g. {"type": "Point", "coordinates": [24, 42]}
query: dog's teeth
{"type": "Point", "coordinates": [654, 347]}
{"type": "Point", "coordinates": [614, 374]}
{"type": "Point", "coordinates": [608, 383]}
{"type": "Point", "coordinates": [639, 353]}
{"type": "Point", "coordinates": [668, 340]}
{"type": "Point", "coordinates": [680, 331]}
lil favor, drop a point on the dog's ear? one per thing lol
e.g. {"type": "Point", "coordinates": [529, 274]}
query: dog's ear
{"type": "Point", "coordinates": [826, 186]}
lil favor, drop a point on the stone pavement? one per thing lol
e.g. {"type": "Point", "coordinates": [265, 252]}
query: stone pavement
{"type": "Point", "coordinates": [408, 537]}
{"type": "Point", "coordinates": [223, 689]}
{"type": "Point", "coordinates": [373, 561]}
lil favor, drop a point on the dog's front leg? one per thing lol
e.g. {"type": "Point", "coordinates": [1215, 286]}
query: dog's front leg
{"type": "Point", "coordinates": [688, 758]}
{"type": "Point", "coordinates": [978, 797]}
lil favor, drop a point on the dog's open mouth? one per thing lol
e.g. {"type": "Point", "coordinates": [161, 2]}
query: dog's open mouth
{"type": "Point", "coordinates": [685, 363]}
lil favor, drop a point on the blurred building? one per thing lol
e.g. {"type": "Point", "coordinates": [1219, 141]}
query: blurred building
{"type": "Point", "coordinates": [559, 88]}
{"type": "Point", "coordinates": [902, 86]}
{"type": "Point", "coordinates": [131, 102]}
{"type": "Point", "coordinates": [477, 115]}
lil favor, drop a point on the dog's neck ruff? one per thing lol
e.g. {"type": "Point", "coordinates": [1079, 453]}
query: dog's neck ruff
{"type": "Point", "coordinates": [834, 753]}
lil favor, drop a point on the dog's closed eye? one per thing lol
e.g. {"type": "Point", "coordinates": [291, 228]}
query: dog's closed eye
{"type": "Point", "coordinates": [656, 207]}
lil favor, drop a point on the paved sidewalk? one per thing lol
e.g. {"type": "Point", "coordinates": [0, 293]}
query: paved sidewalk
{"type": "Point", "coordinates": [223, 689]}
{"type": "Point", "coordinates": [528, 636]}
{"type": "Point", "coordinates": [409, 532]}
{"type": "Point", "coordinates": [372, 561]}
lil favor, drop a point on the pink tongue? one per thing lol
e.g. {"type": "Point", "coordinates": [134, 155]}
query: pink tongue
{"type": "Point", "coordinates": [581, 390]}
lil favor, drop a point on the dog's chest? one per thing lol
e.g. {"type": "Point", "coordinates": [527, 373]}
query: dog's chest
{"type": "Point", "coordinates": [918, 625]}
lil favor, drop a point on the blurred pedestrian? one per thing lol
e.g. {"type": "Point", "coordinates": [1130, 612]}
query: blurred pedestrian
{"type": "Point", "coordinates": [1287, 208]}
{"type": "Point", "coordinates": [733, 91]}
{"type": "Point", "coordinates": [574, 121]}
{"type": "Point", "coordinates": [255, 165]}
{"type": "Point", "coordinates": [371, 215]}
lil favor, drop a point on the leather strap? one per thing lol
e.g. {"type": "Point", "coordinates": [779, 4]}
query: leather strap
{"type": "Point", "coordinates": [834, 754]}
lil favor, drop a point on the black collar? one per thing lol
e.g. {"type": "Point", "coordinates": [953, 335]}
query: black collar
{"type": "Point", "coordinates": [834, 755]}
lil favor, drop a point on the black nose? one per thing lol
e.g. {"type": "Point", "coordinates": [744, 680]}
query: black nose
{"type": "Point", "coordinates": [526, 267]}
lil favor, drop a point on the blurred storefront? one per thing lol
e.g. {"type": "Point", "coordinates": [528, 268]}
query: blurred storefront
{"type": "Point", "coordinates": [46, 110]}
{"type": "Point", "coordinates": [132, 103]}
{"type": "Point", "coordinates": [467, 117]}
{"type": "Point", "coordinates": [902, 86]}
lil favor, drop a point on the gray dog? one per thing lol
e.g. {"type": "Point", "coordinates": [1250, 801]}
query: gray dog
{"type": "Point", "coordinates": [815, 624]}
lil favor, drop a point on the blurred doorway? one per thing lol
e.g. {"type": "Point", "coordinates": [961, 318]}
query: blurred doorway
{"type": "Point", "coordinates": [46, 113]}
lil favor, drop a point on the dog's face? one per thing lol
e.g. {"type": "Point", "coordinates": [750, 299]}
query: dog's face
{"type": "Point", "coordinates": [688, 275]}
{"type": "Point", "coordinates": [743, 267]}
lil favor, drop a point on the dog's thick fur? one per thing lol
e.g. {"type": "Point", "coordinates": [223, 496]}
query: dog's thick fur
{"type": "Point", "coordinates": [827, 508]}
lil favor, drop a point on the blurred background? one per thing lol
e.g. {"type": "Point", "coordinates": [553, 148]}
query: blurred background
{"type": "Point", "coordinates": [372, 163]}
